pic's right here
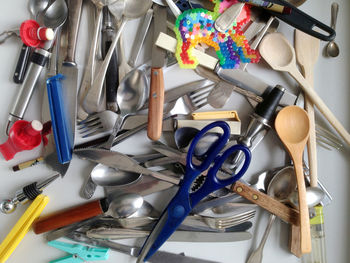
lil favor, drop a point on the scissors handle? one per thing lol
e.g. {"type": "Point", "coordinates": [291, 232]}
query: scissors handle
{"type": "Point", "coordinates": [213, 151]}
{"type": "Point", "coordinates": [213, 182]}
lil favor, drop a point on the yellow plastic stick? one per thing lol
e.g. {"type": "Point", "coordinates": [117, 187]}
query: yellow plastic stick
{"type": "Point", "coordinates": [22, 227]}
{"type": "Point", "coordinates": [210, 115]}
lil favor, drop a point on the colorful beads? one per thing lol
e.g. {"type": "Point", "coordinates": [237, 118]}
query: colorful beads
{"type": "Point", "coordinates": [196, 26]}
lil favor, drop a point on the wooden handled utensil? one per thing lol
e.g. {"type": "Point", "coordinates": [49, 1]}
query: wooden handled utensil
{"type": "Point", "coordinates": [156, 94]}
{"type": "Point", "coordinates": [307, 49]}
{"type": "Point", "coordinates": [280, 55]}
{"type": "Point", "coordinates": [115, 205]}
{"type": "Point", "coordinates": [293, 126]}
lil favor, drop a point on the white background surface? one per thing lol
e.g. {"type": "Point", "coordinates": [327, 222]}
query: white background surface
{"type": "Point", "coordinates": [332, 80]}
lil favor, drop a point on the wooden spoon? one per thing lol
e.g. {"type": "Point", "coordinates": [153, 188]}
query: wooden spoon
{"type": "Point", "coordinates": [293, 125]}
{"type": "Point", "coordinates": [307, 49]}
{"type": "Point", "coordinates": [280, 55]}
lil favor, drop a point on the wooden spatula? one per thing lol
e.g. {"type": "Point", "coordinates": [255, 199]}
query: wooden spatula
{"type": "Point", "coordinates": [307, 49]}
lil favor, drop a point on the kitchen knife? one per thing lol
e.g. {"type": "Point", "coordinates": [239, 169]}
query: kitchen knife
{"type": "Point", "coordinates": [122, 162]}
{"type": "Point", "coordinates": [177, 236]}
{"type": "Point", "coordinates": [146, 185]}
{"type": "Point", "coordinates": [156, 95]}
{"type": "Point", "coordinates": [69, 68]}
{"type": "Point", "coordinates": [158, 257]}
{"type": "Point", "coordinates": [111, 79]}
{"type": "Point", "coordinates": [50, 154]}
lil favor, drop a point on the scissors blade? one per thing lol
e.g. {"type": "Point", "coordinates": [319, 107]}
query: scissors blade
{"type": "Point", "coordinates": [160, 162]}
{"type": "Point", "coordinates": [178, 157]}
{"type": "Point", "coordinates": [171, 152]}
{"type": "Point", "coordinates": [176, 212]}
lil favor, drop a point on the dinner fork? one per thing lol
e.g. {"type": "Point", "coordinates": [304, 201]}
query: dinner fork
{"type": "Point", "coordinates": [97, 123]}
{"type": "Point", "coordinates": [219, 223]}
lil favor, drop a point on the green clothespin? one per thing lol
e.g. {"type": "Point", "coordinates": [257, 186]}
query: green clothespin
{"type": "Point", "coordinates": [79, 253]}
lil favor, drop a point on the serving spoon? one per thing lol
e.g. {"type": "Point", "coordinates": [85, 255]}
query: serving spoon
{"type": "Point", "coordinates": [293, 125]}
{"type": "Point", "coordinates": [280, 55]}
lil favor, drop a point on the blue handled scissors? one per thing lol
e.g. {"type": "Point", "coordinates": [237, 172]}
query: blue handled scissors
{"type": "Point", "coordinates": [183, 202]}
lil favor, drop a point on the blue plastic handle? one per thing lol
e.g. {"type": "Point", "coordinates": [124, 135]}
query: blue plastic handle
{"type": "Point", "coordinates": [60, 123]}
{"type": "Point", "coordinates": [183, 202]}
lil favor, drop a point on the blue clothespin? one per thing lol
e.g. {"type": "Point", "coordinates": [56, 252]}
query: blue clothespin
{"type": "Point", "coordinates": [79, 253]}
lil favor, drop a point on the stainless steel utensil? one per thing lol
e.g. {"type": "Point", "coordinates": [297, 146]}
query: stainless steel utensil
{"type": "Point", "coordinates": [177, 236]}
{"type": "Point", "coordinates": [332, 49]}
{"type": "Point", "coordinates": [156, 93]}
{"type": "Point", "coordinates": [280, 187]}
{"type": "Point", "coordinates": [88, 75]}
{"type": "Point", "coordinates": [122, 162]}
{"type": "Point", "coordinates": [115, 205]}
{"type": "Point", "coordinates": [158, 257]}
{"type": "Point", "coordinates": [130, 98]}
{"type": "Point", "coordinates": [140, 37]}
{"type": "Point", "coordinates": [121, 9]}
{"type": "Point", "coordinates": [220, 222]}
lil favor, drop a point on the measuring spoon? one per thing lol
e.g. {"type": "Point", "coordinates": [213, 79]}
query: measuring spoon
{"type": "Point", "coordinates": [280, 55]}
{"type": "Point", "coordinates": [292, 125]}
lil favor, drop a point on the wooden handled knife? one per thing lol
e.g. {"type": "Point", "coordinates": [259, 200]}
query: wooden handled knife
{"type": "Point", "coordinates": [156, 95]}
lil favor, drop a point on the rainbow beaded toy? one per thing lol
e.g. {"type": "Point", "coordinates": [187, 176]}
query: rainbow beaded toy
{"type": "Point", "coordinates": [196, 26]}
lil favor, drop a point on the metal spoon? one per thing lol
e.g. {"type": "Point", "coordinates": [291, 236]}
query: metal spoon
{"type": "Point", "coordinates": [54, 17]}
{"type": "Point", "coordinates": [106, 176]}
{"type": "Point", "coordinates": [313, 196]}
{"type": "Point", "coordinates": [122, 10]}
{"type": "Point", "coordinates": [332, 48]}
{"type": "Point", "coordinates": [37, 6]}
{"type": "Point", "coordinates": [280, 186]}
{"type": "Point", "coordinates": [131, 96]}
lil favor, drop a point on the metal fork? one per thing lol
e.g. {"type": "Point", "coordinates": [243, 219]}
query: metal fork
{"type": "Point", "coordinates": [326, 138]}
{"type": "Point", "coordinates": [219, 222]}
{"type": "Point", "coordinates": [97, 123]}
